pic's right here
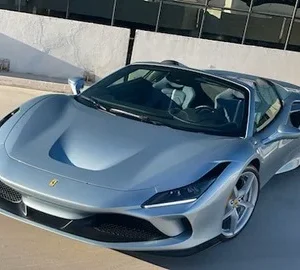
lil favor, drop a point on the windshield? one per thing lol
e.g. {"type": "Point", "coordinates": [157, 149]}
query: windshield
{"type": "Point", "coordinates": [175, 97]}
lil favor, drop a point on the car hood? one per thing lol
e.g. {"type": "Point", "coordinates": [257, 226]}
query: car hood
{"type": "Point", "coordinates": [61, 136]}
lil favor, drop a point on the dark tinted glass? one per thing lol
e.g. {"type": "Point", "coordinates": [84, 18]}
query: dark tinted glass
{"type": "Point", "coordinates": [176, 97]}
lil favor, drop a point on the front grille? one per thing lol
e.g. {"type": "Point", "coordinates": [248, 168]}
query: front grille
{"type": "Point", "coordinates": [127, 233]}
{"type": "Point", "coordinates": [121, 228]}
{"type": "Point", "coordinates": [9, 194]}
{"type": "Point", "coordinates": [116, 228]}
{"type": "Point", "coordinates": [111, 228]}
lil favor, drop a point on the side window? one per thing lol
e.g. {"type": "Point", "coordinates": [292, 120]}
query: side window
{"type": "Point", "coordinates": [267, 104]}
{"type": "Point", "coordinates": [131, 76]}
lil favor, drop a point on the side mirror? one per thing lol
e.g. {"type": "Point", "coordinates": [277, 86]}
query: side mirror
{"type": "Point", "coordinates": [76, 84]}
{"type": "Point", "coordinates": [284, 132]}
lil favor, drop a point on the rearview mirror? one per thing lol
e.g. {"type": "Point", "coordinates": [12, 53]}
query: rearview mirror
{"type": "Point", "coordinates": [76, 84]}
{"type": "Point", "coordinates": [284, 132]}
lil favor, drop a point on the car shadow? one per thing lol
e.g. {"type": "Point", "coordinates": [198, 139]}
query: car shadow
{"type": "Point", "coordinates": [270, 241]}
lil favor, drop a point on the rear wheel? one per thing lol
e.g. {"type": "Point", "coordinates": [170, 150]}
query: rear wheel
{"type": "Point", "coordinates": [241, 203]}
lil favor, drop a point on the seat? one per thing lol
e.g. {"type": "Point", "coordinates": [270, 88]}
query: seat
{"type": "Point", "coordinates": [179, 95]}
{"type": "Point", "coordinates": [182, 98]}
{"type": "Point", "coordinates": [231, 104]}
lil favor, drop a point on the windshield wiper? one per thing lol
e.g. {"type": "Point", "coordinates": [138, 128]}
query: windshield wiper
{"type": "Point", "coordinates": [95, 102]}
{"type": "Point", "coordinates": [119, 111]}
{"type": "Point", "coordinates": [142, 118]}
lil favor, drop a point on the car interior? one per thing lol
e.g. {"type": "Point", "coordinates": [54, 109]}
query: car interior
{"type": "Point", "coordinates": [184, 96]}
{"type": "Point", "coordinates": [178, 98]}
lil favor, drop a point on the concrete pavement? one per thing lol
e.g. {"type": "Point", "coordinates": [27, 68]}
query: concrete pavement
{"type": "Point", "coordinates": [270, 241]}
{"type": "Point", "coordinates": [34, 82]}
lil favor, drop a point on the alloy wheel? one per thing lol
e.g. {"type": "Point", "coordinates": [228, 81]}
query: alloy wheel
{"type": "Point", "coordinates": [240, 205]}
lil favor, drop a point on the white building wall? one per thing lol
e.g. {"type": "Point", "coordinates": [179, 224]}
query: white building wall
{"type": "Point", "coordinates": [204, 54]}
{"type": "Point", "coordinates": [60, 48]}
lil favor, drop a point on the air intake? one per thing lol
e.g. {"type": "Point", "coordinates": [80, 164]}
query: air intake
{"type": "Point", "coordinates": [9, 194]}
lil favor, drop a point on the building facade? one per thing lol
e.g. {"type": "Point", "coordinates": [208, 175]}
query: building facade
{"type": "Point", "coordinates": [268, 23]}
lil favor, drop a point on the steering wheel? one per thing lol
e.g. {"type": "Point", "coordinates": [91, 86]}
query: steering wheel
{"type": "Point", "coordinates": [214, 113]}
{"type": "Point", "coordinates": [205, 108]}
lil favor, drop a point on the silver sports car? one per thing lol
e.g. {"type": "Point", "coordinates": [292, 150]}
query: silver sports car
{"type": "Point", "coordinates": [154, 157]}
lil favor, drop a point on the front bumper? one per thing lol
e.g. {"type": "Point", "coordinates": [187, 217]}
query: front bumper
{"type": "Point", "coordinates": [157, 229]}
{"type": "Point", "coordinates": [138, 237]}
{"type": "Point", "coordinates": [132, 230]}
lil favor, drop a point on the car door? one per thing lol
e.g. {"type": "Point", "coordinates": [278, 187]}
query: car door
{"type": "Point", "coordinates": [269, 115]}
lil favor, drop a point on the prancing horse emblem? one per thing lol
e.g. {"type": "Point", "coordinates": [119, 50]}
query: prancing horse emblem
{"type": "Point", "coordinates": [53, 182]}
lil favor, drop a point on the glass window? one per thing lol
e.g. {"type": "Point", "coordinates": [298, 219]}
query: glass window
{"type": "Point", "coordinates": [91, 11]}
{"type": "Point", "coordinates": [228, 5]}
{"type": "Point", "coordinates": [181, 18]}
{"type": "Point", "coordinates": [267, 31]}
{"type": "Point", "coordinates": [176, 98]}
{"type": "Point", "coordinates": [9, 4]}
{"type": "Point", "coordinates": [225, 20]}
{"type": "Point", "coordinates": [294, 42]}
{"type": "Point", "coordinates": [224, 25]}
{"type": "Point", "coordinates": [268, 24]}
{"type": "Point", "coordinates": [267, 104]}
{"type": "Point", "coordinates": [46, 7]}
{"type": "Point", "coordinates": [135, 14]}
{"type": "Point", "coordinates": [272, 7]}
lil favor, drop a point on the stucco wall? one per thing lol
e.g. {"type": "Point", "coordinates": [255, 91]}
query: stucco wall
{"type": "Point", "coordinates": [203, 54]}
{"type": "Point", "coordinates": [58, 47]}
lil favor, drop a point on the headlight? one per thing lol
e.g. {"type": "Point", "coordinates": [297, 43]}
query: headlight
{"type": "Point", "coordinates": [186, 194]}
{"type": "Point", "coordinates": [8, 116]}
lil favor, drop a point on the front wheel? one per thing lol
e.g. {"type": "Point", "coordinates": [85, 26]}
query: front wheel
{"type": "Point", "coordinates": [241, 203]}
